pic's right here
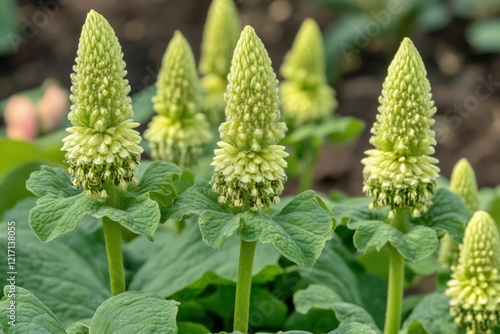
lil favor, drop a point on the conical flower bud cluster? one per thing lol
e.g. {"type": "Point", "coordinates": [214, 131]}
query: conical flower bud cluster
{"type": "Point", "coordinates": [179, 131]}
{"type": "Point", "coordinates": [220, 35]}
{"type": "Point", "coordinates": [463, 183]}
{"type": "Point", "coordinates": [249, 166]}
{"type": "Point", "coordinates": [474, 287]}
{"type": "Point", "coordinates": [400, 171]}
{"type": "Point", "coordinates": [305, 93]}
{"type": "Point", "coordinates": [102, 146]}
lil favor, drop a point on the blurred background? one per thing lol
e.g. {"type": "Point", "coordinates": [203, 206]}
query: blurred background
{"type": "Point", "coordinates": [459, 41]}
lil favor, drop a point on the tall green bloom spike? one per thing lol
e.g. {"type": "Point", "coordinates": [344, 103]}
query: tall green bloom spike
{"type": "Point", "coordinates": [102, 146]}
{"type": "Point", "coordinates": [474, 287]}
{"type": "Point", "coordinates": [249, 166]}
{"type": "Point", "coordinates": [306, 95]}
{"type": "Point", "coordinates": [400, 172]}
{"type": "Point", "coordinates": [179, 131]}
{"type": "Point", "coordinates": [220, 36]}
{"type": "Point", "coordinates": [463, 183]}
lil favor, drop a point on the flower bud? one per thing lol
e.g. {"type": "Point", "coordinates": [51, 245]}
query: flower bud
{"type": "Point", "coordinates": [463, 183]}
{"type": "Point", "coordinates": [249, 166]}
{"type": "Point", "coordinates": [305, 93]}
{"type": "Point", "coordinates": [400, 172]}
{"type": "Point", "coordinates": [220, 36]}
{"type": "Point", "coordinates": [102, 146]}
{"type": "Point", "coordinates": [474, 286]}
{"type": "Point", "coordinates": [20, 118]}
{"type": "Point", "coordinates": [179, 131]}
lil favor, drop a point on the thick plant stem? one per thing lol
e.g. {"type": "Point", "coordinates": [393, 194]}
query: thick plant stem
{"type": "Point", "coordinates": [113, 240]}
{"type": "Point", "coordinates": [243, 286]}
{"type": "Point", "coordinates": [396, 278]}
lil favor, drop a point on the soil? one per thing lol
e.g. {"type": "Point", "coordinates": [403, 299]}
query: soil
{"type": "Point", "coordinates": [145, 27]}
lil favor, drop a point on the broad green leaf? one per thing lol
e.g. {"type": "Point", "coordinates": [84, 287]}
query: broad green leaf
{"type": "Point", "coordinates": [357, 209]}
{"type": "Point", "coordinates": [142, 102]}
{"type": "Point", "coordinates": [191, 328]}
{"type": "Point", "coordinates": [447, 213]}
{"type": "Point", "coordinates": [353, 328]}
{"type": "Point", "coordinates": [373, 291]}
{"type": "Point", "coordinates": [185, 264]}
{"type": "Point", "coordinates": [316, 321]}
{"type": "Point", "coordinates": [78, 328]}
{"type": "Point", "coordinates": [11, 187]}
{"type": "Point", "coordinates": [348, 313]}
{"type": "Point", "coordinates": [433, 314]}
{"type": "Point", "coordinates": [135, 312]}
{"type": "Point", "coordinates": [315, 296]}
{"type": "Point", "coordinates": [418, 243]}
{"type": "Point", "coordinates": [483, 35]}
{"type": "Point", "coordinates": [73, 285]}
{"type": "Point", "coordinates": [196, 199]}
{"type": "Point", "coordinates": [416, 328]}
{"type": "Point", "coordinates": [299, 231]}
{"type": "Point", "coordinates": [332, 271]}
{"type": "Point", "coordinates": [157, 181]}
{"type": "Point", "coordinates": [62, 207]}
{"type": "Point", "coordinates": [22, 312]}
{"type": "Point", "coordinates": [338, 129]}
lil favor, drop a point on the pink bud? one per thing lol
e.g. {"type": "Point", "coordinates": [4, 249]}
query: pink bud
{"type": "Point", "coordinates": [20, 118]}
{"type": "Point", "coordinates": [52, 108]}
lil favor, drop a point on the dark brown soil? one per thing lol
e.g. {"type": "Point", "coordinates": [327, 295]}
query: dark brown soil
{"type": "Point", "coordinates": [145, 27]}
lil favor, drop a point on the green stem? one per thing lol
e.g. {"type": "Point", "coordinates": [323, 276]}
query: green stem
{"type": "Point", "coordinates": [113, 240]}
{"type": "Point", "coordinates": [306, 178]}
{"type": "Point", "coordinates": [396, 278]}
{"type": "Point", "coordinates": [244, 286]}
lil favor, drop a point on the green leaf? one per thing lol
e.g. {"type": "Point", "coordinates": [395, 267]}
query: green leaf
{"type": "Point", "coordinates": [73, 285]}
{"type": "Point", "coordinates": [338, 129]}
{"type": "Point", "coordinates": [433, 314]}
{"type": "Point", "coordinates": [196, 199]}
{"type": "Point", "coordinates": [447, 213]}
{"type": "Point", "coordinates": [357, 209]}
{"type": "Point", "coordinates": [315, 296]}
{"type": "Point", "coordinates": [416, 328]}
{"type": "Point", "coordinates": [191, 328]}
{"type": "Point", "coordinates": [78, 328]}
{"type": "Point", "coordinates": [185, 264]}
{"type": "Point", "coordinates": [316, 321]}
{"type": "Point", "coordinates": [157, 181]}
{"type": "Point", "coordinates": [142, 103]}
{"type": "Point", "coordinates": [11, 185]}
{"type": "Point", "coordinates": [418, 243]}
{"type": "Point", "coordinates": [9, 37]}
{"type": "Point", "coordinates": [348, 313]}
{"type": "Point", "coordinates": [29, 314]}
{"type": "Point", "coordinates": [135, 312]}
{"type": "Point", "coordinates": [332, 271]}
{"type": "Point", "coordinates": [62, 207]}
{"type": "Point", "coordinates": [299, 231]}
{"type": "Point", "coordinates": [483, 35]}
{"type": "Point", "coordinates": [353, 328]}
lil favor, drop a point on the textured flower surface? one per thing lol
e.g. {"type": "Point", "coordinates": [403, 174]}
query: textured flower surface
{"type": "Point", "coordinates": [220, 36]}
{"type": "Point", "coordinates": [400, 172]}
{"type": "Point", "coordinates": [474, 287]}
{"type": "Point", "coordinates": [103, 145]}
{"type": "Point", "coordinates": [463, 183]}
{"type": "Point", "coordinates": [249, 166]}
{"type": "Point", "coordinates": [179, 131]}
{"type": "Point", "coordinates": [305, 93]}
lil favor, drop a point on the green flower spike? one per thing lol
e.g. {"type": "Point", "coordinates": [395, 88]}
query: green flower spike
{"type": "Point", "coordinates": [305, 93]}
{"type": "Point", "coordinates": [249, 166]}
{"type": "Point", "coordinates": [400, 172]}
{"type": "Point", "coordinates": [179, 131]}
{"type": "Point", "coordinates": [474, 287]}
{"type": "Point", "coordinates": [220, 36]}
{"type": "Point", "coordinates": [102, 146]}
{"type": "Point", "coordinates": [463, 183]}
